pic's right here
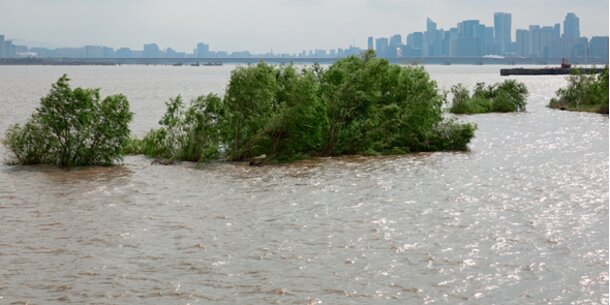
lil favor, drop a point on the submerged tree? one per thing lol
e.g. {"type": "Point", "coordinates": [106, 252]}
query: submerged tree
{"type": "Point", "coordinates": [192, 134]}
{"type": "Point", "coordinates": [72, 127]}
{"type": "Point", "coordinates": [507, 96]}
{"type": "Point", "coordinates": [359, 105]}
{"type": "Point", "coordinates": [584, 92]}
{"type": "Point", "coordinates": [297, 127]}
{"type": "Point", "coordinates": [250, 102]}
{"type": "Point", "coordinates": [379, 108]}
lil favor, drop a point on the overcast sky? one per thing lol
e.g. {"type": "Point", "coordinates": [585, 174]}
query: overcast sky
{"type": "Point", "coordinates": [263, 25]}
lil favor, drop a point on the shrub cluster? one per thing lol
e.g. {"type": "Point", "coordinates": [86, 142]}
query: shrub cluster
{"type": "Point", "coordinates": [359, 105]}
{"type": "Point", "coordinates": [72, 127]}
{"type": "Point", "coordinates": [508, 96]}
{"type": "Point", "coordinates": [186, 134]}
{"type": "Point", "coordinates": [584, 92]}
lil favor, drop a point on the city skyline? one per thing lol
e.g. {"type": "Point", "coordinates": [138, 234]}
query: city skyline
{"type": "Point", "coordinates": [261, 26]}
{"type": "Point", "coordinates": [468, 39]}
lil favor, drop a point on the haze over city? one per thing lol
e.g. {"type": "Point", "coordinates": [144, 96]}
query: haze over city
{"type": "Point", "coordinates": [262, 26]}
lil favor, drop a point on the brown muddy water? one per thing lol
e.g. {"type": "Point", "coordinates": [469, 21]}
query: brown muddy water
{"type": "Point", "coordinates": [520, 219]}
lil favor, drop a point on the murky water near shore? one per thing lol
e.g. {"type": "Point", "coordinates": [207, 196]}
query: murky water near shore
{"type": "Point", "coordinates": [520, 219]}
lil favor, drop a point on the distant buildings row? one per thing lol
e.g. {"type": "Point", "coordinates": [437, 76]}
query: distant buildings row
{"type": "Point", "coordinates": [469, 38]}
{"type": "Point", "coordinates": [152, 50]}
{"type": "Point", "coordinates": [472, 39]}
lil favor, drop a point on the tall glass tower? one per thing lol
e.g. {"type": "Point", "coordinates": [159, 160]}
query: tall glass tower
{"type": "Point", "coordinates": [502, 31]}
{"type": "Point", "coordinates": [571, 26]}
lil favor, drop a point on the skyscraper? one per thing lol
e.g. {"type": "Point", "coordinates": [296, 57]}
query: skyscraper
{"type": "Point", "coordinates": [203, 50]}
{"type": "Point", "coordinates": [1, 46]}
{"type": "Point", "coordinates": [502, 28]}
{"type": "Point", "coordinates": [151, 50]}
{"type": "Point", "coordinates": [598, 47]}
{"type": "Point", "coordinates": [381, 47]}
{"type": "Point", "coordinates": [370, 43]}
{"type": "Point", "coordinates": [429, 38]}
{"type": "Point", "coordinates": [470, 38]}
{"type": "Point", "coordinates": [395, 44]}
{"type": "Point", "coordinates": [523, 42]}
{"type": "Point", "coordinates": [571, 26]}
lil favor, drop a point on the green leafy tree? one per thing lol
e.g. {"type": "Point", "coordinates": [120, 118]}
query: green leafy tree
{"type": "Point", "coordinates": [507, 96]}
{"type": "Point", "coordinates": [417, 97]}
{"type": "Point", "coordinates": [72, 127]}
{"type": "Point", "coordinates": [350, 87]}
{"type": "Point", "coordinates": [202, 121]}
{"type": "Point", "coordinates": [192, 134]}
{"type": "Point", "coordinates": [584, 92]}
{"type": "Point", "coordinates": [359, 105]}
{"type": "Point", "coordinates": [297, 127]}
{"type": "Point", "coordinates": [250, 101]}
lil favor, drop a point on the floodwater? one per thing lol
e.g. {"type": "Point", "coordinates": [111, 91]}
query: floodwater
{"type": "Point", "coordinates": [522, 218]}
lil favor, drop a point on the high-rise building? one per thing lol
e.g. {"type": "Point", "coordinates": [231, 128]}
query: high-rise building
{"type": "Point", "coordinates": [381, 47]}
{"type": "Point", "coordinates": [394, 46]}
{"type": "Point", "coordinates": [396, 40]}
{"type": "Point", "coordinates": [415, 40]}
{"type": "Point", "coordinates": [598, 47]}
{"type": "Point", "coordinates": [523, 43]}
{"type": "Point", "coordinates": [488, 40]}
{"type": "Point", "coordinates": [557, 30]}
{"type": "Point", "coordinates": [571, 35]}
{"type": "Point", "coordinates": [151, 50]}
{"type": "Point", "coordinates": [93, 52]}
{"type": "Point", "coordinates": [549, 43]}
{"type": "Point", "coordinates": [452, 43]}
{"type": "Point", "coordinates": [203, 50]}
{"type": "Point", "coordinates": [8, 49]}
{"type": "Point", "coordinates": [429, 38]}
{"type": "Point", "coordinates": [123, 53]}
{"type": "Point", "coordinates": [370, 43]}
{"type": "Point", "coordinates": [415, 43]}
{"type": "Point", "coordinates": [470, 39]}
{"type": "Point", "coordinates": [571, 26]}
{"type": "Point", "coordinates": [502, 28]}
{"type": "Point", "coordinates": [1, 46]}
{"type": "Point", "coordinates": [534, 41]}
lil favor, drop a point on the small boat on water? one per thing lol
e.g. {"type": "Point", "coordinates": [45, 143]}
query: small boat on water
{"type": "Point", "coordinates": [213, 64]}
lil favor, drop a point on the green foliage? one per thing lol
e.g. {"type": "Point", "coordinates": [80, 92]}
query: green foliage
{"type": "Point", "coordinates": [584, 93]}
{"type": "Point", "coordinates": [297, 127]}
{"type": "Point", "coordinates": [191, 134]}
{"type": "Point", "coordinates": [450, 135]}
{"type": "Point", "coordinates": [29, 144]}
{"type": "Point", "coordinates": [350, 88]}
{"type": "Point", "coordinates": [508, 96]}
{"type": "Point", "coordinates": [250, 102]}
{"type": "Point", "coordinates": [359, 105]}
{"type": "Point", "coordinates": [72, 127]}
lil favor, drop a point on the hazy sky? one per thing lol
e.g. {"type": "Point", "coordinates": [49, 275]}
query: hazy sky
{"type": "Point", "coordinates": [262, 25]}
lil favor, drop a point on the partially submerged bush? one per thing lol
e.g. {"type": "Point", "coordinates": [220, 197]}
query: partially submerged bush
{"type": "Point", "coordinates": [72, 127]}
{"type": "Point", "coordinates": [359, 105]}
{"type": "Point", "coordinates": [508, 96]}
{"type": "Point", "coordinates": [192, 134]}
{"type": "Point", "coordinates": [584, 92]}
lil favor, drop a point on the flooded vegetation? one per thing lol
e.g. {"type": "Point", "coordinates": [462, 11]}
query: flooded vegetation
{"type": "Point", "coordinates": [357, 106]}
{"type": "Point", "coordinates": [584, 92]}
{"type": "Point", "coordinates": [521, 217]}
{"type": "Point", "coordinates": [508, 96]}
{"type": "Point", "coordinates": [72, 127]}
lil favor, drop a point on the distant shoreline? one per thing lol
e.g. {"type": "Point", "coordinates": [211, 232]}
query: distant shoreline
{"type": "Point", "coordinates": [288, 60]}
